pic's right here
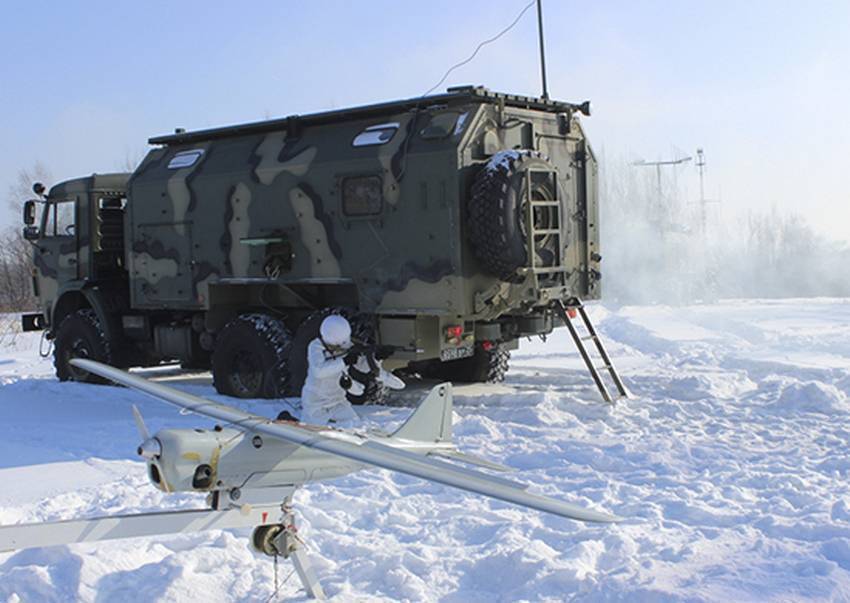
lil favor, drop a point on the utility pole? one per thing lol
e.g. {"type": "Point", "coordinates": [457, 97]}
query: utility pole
{"type": "Point", "coordinates": [667, 256]}
{"type": "Point", "coordinates": [702, 200]}
{"type": "Point", "coordinates": [542, 51]}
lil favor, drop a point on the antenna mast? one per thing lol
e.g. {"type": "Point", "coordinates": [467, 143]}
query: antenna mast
{"type": "Point", "coordinates": [702, 200]}
{"type": "Point", "coordinates": [657, 165]}
{"type": "Point", "coordinates": [542, 50]}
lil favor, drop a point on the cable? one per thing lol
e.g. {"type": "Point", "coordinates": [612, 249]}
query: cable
{"type": "Point", "coordinates": [480, 46]}
{"type": "Point", "coordinates": [412, 127]}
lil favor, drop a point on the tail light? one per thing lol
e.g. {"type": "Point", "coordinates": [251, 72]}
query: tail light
{"type": "Point", "coordinates": [454, 333]}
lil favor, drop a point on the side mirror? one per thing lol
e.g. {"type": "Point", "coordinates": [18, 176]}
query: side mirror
{"type": "Point", "coordinates": [29, 213]}
{"type": "Point", "coordinates": [31, 233]}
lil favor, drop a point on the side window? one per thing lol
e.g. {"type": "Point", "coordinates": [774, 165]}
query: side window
{"type": "Point", "coordinates": [61, 219]}
{"type": "Point", "coordinates": [185, 159]}
{"type": "Point", "coordinates": [374, 135]}
{"type": "Point", "coordinates": [442, 125]}
{"type": "Point", "coordinates": [362, 196]}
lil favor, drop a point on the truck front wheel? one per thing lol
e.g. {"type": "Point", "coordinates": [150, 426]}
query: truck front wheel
{"type": "Point", "coordinates": [80, 335]}
{"type": "Point", "coordinates": [250, 357]}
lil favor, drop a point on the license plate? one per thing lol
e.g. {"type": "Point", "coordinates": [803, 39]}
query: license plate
{"type": "Point", "coordinates": [455, 353]}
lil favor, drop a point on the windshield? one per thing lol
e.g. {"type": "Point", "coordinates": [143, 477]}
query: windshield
{"type": "Point", "coordinates": [59, 219]}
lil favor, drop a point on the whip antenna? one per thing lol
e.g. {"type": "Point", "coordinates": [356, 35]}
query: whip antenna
{"type": "Point", "coordinates": [542, 49]}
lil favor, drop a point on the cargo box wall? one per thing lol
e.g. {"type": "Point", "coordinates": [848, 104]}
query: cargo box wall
{"type": "Point", "coordinates": [371, 202]}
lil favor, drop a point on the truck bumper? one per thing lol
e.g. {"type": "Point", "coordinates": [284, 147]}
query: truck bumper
{"type": "Point", "coordinates": [32, 322]}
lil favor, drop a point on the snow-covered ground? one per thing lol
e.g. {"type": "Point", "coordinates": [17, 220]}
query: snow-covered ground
{"type": "Point", "coordinates": [730, 463]}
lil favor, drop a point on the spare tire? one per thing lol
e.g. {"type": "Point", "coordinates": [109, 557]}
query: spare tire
{"type": "Point", "coordinates": [496, 213]}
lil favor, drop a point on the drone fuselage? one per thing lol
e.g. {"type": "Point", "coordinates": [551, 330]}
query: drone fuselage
{"type": "Point", "coordinates": [228, 459]}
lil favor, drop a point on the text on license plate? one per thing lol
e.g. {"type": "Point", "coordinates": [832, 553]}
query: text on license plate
{"type": "Point", "coordinates": [455, 353]}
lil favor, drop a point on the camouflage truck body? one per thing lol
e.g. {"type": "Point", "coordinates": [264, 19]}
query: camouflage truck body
{"type": "Point", "coordinates": [366, 209]}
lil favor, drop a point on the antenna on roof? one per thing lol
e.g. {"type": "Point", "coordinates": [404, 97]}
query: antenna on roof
{"type": "Point", "coordinates": [542, 49]}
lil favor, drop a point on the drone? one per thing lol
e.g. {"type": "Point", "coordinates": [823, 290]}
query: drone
{"type": "Point", "coordinates": [250, 467]}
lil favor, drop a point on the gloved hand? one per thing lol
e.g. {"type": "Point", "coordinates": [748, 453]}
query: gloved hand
{"type": "Point", "coordinates": [350, 358]}
{"type": "Point", "coordinates": [345, 381]}
{"type": "Point", "coordinates": [350, 385]}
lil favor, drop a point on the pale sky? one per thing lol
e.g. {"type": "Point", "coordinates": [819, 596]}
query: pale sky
{"type": "Point", "coordinates": [762, 86]}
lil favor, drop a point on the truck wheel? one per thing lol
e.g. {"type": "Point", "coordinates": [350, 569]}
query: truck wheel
{"type": "Point", "coordinates": [496, 214]}
{"type": "Point", "coordinates": [80, 335]}
{"type": "Point", "coordinates": [362, 329]}
{"type": "Point", "coordinates": [484, 366]}
{"type": "Point", "coordinates": [250, 357]}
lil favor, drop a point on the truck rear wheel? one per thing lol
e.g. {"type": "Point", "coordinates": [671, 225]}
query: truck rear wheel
{"type": "Point", "coordinates": [250, 357]}
{"type": "Point", "coordinates": [80, 335]}
{"type": "Point", "coordinates": [485, 366]}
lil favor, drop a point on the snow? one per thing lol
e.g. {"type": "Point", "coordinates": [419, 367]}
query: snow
{"type": "Point", "coordinates": [502, 160]}
{"type": "Point", "coordinates": [730, 464]}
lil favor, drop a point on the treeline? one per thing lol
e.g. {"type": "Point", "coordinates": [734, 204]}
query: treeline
{"type": "Point", "coordinates": [669, 249]}
{"type": "Point", "coordinates": [16, 267]}
{"type": "Point", "coordinates": [16, 293]}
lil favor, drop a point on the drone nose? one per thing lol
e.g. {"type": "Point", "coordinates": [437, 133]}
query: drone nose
{"type": "Point", "coordinates": [150, 449]}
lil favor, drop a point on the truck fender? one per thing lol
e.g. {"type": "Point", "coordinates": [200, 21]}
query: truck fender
{"type": "Point", "coordinates": [110, 321]}
{"type": "Point", "coordinates": [76, 299]}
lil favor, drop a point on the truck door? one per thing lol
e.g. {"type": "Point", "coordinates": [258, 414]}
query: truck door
{"type": "Point", "coordinates": [56, 252]}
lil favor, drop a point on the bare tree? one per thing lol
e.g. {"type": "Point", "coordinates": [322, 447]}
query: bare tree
{"type": "Point", "coordinates": [132, 159]}
{"type": "Point", "coordinates": [21, 189]}
{"type": "Point", "coordinates": [16, 267]}
{"type": "Point", "coordinates": [16, 292]}
{"type": "Point", "coordinates": [653, 254]}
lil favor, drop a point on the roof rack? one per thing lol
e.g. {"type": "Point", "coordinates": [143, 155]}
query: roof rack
{"type": "Point", "coordinates": [453, 95]}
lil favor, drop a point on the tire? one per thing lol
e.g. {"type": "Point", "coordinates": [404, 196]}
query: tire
{"type": "Point", "coordinates": [80, 335]}
{"type": "Point", "coordinates": [362, 329]}
{"type": "Point", "coordinates": [496, 214]}
{"type": "Point", "coordinates": [484, 366]}
{"type": "Point", "coordinates": [250, 357]}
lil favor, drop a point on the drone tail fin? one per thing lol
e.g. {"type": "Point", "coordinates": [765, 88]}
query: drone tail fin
{"type": "Point", "coordinates": [432, 419]}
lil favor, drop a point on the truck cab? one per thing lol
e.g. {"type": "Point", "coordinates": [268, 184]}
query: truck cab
{"type": "Point", "coordinates": [78, 247]}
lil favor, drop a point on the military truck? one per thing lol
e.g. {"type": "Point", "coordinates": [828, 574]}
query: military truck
{"type": "Point", "coordinates": [445, 227]}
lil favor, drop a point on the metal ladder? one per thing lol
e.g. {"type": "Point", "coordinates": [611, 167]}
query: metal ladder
{"type": "Point", "coordinates": [557, 271]}
{"type": "Point", "coordinates": [592, 335]}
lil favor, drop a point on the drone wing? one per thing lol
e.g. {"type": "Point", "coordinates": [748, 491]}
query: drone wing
{"type": "Point", "coordinates": [368, 452]}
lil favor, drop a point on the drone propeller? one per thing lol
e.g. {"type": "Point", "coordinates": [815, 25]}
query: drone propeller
{"type": "Point", "coordinates": [140, 424]}
{"type": "Point", "coordinates": [150, 448]}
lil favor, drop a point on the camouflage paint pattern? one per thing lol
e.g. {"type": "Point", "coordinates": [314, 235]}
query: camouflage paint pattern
{"type": "Point", "coordinates": [238, 228]}
{"type": "Point", "coordinates": [253, 190]}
